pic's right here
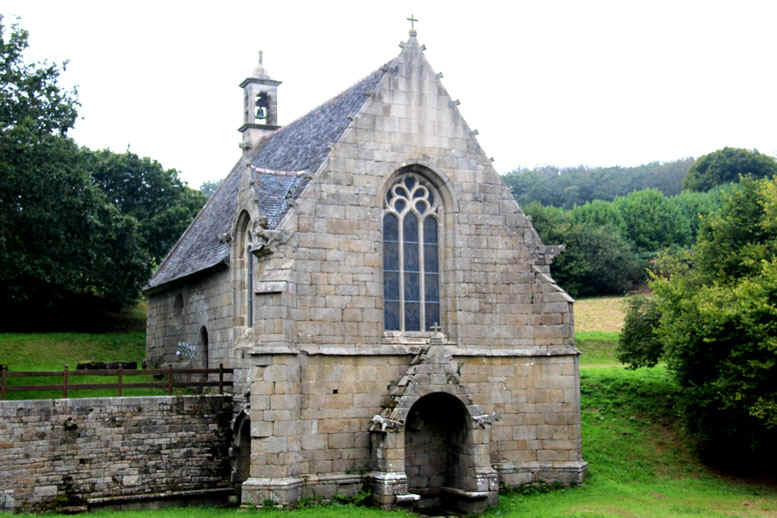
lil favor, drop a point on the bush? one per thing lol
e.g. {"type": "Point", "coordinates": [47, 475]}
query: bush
{"type": "Point", "coordinates": [638, 344]}
{"type": "Point", "coordinates": [714, 321]}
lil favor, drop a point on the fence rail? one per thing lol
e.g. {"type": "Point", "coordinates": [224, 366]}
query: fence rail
{"type": "Point", "coordinates": [170, 383]}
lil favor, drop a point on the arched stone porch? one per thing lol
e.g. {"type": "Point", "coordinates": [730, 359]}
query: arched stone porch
{"type": "Point", "coordinates": [430, 445]}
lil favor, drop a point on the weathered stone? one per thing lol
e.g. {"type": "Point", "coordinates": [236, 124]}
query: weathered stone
{"type": "Point", "coordinates": [295, 303]}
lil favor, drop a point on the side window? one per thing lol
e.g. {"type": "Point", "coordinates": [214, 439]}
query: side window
{"type": "Point", "coordinates": [244, 273]}
{"type": "Point", "coordinates": [411, 255]}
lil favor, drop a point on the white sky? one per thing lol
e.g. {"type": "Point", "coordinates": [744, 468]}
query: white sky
{"type": "Point", "coordinates": [544, 82]}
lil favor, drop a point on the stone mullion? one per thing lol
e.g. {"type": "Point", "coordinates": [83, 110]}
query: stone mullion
{"type": "Point", "coordinates": [401, 250]}
{"type": "Point", "coordinates": [421, 272]}
{"type": "Point", "coordinates": [250, 287]}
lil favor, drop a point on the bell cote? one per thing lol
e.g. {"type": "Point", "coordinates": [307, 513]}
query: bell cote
{"type": "Point", "coordinates": [260, 107]}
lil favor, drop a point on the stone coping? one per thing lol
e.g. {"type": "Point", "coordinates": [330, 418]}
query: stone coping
{"type": "Point", "coordinates": [412, 350]}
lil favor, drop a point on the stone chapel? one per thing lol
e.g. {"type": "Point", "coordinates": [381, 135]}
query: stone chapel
{"type": "Point", "coordinates": [386, 304]}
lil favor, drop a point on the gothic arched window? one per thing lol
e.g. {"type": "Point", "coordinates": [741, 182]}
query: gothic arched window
{"type": "Point", "coordinates": [244, 274]}
{"type": "Point", "coordinates": [411, 255]}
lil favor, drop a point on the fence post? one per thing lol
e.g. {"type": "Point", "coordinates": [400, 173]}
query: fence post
{"type": "Point", "coordinates": [119, 381]}
{"type": "Point", "coordinates": [170, 379]}
{"type": "Point", "coordinates": [221, 378]}
{"type": "Point", "coordinates": [64, 383]}
{"type": "Point", "coordinates": [3, 369]}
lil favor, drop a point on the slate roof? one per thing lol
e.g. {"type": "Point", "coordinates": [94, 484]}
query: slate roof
{"type": "Point", "coordinates": [283, 165]}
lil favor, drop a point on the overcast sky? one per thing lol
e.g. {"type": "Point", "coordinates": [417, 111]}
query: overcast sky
{"type": "Point", "coordinates": [544, 82]}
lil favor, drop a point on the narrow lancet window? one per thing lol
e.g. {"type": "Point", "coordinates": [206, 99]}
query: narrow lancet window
{"type": "Point", "coordinates": [411, 272]}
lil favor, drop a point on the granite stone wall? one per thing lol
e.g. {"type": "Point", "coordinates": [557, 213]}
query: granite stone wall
{"type": "Point", "coordinates": [180, 314]}
{"type": "Point", "coordinates": [73, 452]}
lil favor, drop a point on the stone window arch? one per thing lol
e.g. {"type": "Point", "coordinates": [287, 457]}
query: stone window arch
{"type": "Point", "coordinates": [412, 221]}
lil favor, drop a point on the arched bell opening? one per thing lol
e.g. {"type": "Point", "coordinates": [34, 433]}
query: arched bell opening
{"type": "Point", "coordinates": [438, 447]}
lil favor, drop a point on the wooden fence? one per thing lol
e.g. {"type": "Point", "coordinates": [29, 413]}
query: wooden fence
{"type": "Point", "coordinates": [67, 385]}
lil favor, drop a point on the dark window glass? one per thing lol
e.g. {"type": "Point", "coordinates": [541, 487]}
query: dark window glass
{"type": "Point", "coordinates": [391, 316]}
{"type": "Point", "coordinates": [430, 230]}
{"type": "Point", "coordinates": [432, 316]}
{"type": "Point", "coordinates": [412, 316]}
{"type": "Point", "coordinates": [420, 206]}
{"type": "Point", "coordinates": [410, 182]}
{"type": "Point", "coordinates": [420, 193]}
{"type": "Point", "coordinates": [431, 259]}
{"type": "Point", "coordinates": [431, 198]}
{"type": "Point", "coordinates": [410, 228]}
{"type": "Point", "coordinates": [391, 256]}
{"type": "Point", "coordinates": [401, 192]}
{"type": "Point", "coordinates": [391, 286]}
{"type": "Point", "coordinates": [411, 286]}
{"type": "Point", "coordinates": [390, 228]}
{"type": "Point", "coordinates": [399, 205]}
{"type": "Point", "coordinates": [432, 287]}
{"type": "Point", "coordinates": [389, 195]}
{"type": "Point", "coordinates": [411, 257]}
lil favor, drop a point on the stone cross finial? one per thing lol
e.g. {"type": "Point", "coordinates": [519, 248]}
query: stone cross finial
{"type": "Point", "coordinates": [261, 55]}
{"type": "Point", "coordinates": [412, 21]}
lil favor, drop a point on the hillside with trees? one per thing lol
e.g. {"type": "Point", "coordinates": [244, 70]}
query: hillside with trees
{"type": "Point", "coordinates": [570, 186]}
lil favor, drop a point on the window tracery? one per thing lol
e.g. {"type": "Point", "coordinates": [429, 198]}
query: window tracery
{"type": "Point", "coordinates": [411, 257]}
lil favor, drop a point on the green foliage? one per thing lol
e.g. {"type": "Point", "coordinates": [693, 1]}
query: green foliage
{"type": "Point", "coordinates": [726, 166]}
{"type": "Point", "coordinates": [608, 243]}
{"type": "Point", "coordinates": [29, 94]}
{"type": "Point", "coordinates": [59, 235]}
{"type": "Point", "coordinates": [638, 344]}
{"type": "Point", "coordinates": [141, 188]}
{"type": "Point", "coordinates": [578, 185]}
{"type": "Point", "coordinates": [76, 227]}
{"type": "Point", "coordinates": [694, 206]}
{"type": "Point", "coordinates": [597, 260]}
{"type": "Point", "coordinates": [732, 243]}
{"type": "Point", "coordinates": [718, 327]}
{"type": "Point", "coordinates": [650, 222]}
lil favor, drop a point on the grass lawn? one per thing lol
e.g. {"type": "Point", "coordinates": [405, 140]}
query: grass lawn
{"type": "Point", "coordinates": [52, 351]}
{"type": "Point", "coordinates": [640, 462]}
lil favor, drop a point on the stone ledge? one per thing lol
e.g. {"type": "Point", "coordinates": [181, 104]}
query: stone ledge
{"type": "Point", "coordinates": [527, 352]}
{"type": "Point", "coordinates": [463, 493]}
{"type": "Point", "coordinates": [166, 495]}
{"type": "Point", "coordinates": [407, 350]}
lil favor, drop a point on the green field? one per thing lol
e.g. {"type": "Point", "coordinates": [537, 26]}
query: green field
{"type": "Point", "coordinates": [641, 464]}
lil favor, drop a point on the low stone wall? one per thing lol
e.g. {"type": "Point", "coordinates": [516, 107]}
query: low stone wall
{"type": "Point", "coordinates": [68, 452]}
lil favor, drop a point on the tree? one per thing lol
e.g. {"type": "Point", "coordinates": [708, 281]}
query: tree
{"type": "Point", "coordinates": [718, 327]}
{"type": "Point", "coordinates": [29, 94]}
{"type": "Point", "coordinates": [572, 186]}
{"type": "Point", "coordinates": [59, 235]}
{"type": "Point", "coordinates": [726, 166]}
{"type": "Point", "coordinates": [156, 197]}
{"type": "Point", "coordinates": [597, 260]}
{"type": "Point", "coordinates": [650, 222]}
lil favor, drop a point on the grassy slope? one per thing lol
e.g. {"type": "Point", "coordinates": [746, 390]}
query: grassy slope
{"type": "Point", "coordinates": [639, 460]}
